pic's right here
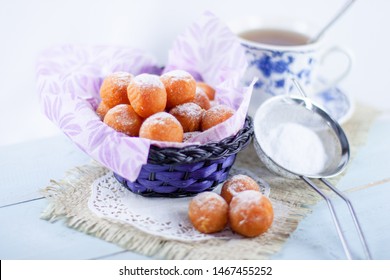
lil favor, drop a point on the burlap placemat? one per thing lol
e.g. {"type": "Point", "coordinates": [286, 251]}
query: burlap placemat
{"type": "Point", "coordinates": [68, 200]}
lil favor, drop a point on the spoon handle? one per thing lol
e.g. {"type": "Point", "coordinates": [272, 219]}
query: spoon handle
{"type": "Point", "coordinates": [334, 19]}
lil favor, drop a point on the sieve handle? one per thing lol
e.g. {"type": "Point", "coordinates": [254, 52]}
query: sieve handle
{"type": "Point", "coordinates": [354, 217]}
{"type": "Point", "coordinates": [334, 216]}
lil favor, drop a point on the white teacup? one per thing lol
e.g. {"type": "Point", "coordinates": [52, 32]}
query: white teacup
{"type": "Point", "coordinates": [279, 50]}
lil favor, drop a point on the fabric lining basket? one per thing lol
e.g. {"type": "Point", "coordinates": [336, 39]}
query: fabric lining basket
{"type": "Point", "coordinates": [174, 172]}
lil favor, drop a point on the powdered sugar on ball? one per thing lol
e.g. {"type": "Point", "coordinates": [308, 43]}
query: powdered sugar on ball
{"type": "Point", "coordinates": [250, 213]}
{"type": "Point", "coordinates": [162, 127]}
{"type": "Point", "coordinates": [180, 87]}
{"type": "Point", "coordinates": [122, 78]}
{"type": "Point", "coordinates": [208, 212]}
{"type": "Point", "coordinates": [148, 81]}
{"type": "Point", "coordinates": [122, 118]}
{"type": "Point", "coordinates": [113, 90]}
{"type": "Point", "coordinates": [236, 184]}
{"type": "Point", "coordinates": [189, 115]}
{"type": "Point", "coordinates": [216, 115]}
{"type": "Point", "coordinates": [210, 91]}
{"type": "Point", "coordinates": [147, 95]}
{"type": "Point", "coordinates": [202, 99]}
{"type": "Point", "coordinates": [102, 110]}
{"type": "Point", "coordinates": [179, 75]}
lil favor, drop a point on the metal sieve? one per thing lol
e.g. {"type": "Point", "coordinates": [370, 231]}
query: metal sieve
{"type": "Point", "coordinates": [301, 110]}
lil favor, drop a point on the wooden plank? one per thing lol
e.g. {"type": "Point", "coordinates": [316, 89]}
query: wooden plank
{"type": "Point", "coordinates": [372, 161]}
{"type": "Point", "coordinates": [27, 167]}
{"type": "Point", "coordinates": [23, 235]}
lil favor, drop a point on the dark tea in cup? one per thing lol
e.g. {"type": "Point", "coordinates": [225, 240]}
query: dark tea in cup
{"type": "Point", "coordinates": [277, 37]}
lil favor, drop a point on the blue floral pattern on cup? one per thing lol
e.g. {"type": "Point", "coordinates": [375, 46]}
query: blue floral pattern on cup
{"type": "Point", "coordinates": [273, 68]}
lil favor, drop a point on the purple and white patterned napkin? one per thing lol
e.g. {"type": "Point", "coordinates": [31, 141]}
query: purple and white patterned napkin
{"type": "Point", "coordinates": [69, 79]}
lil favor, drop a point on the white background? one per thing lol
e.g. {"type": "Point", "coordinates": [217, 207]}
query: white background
{"type": "Point", "coordinates": [28, 27]}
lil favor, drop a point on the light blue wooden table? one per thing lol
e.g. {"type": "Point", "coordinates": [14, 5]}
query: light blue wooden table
{"type": "Point", "coordinates": [28, 167]}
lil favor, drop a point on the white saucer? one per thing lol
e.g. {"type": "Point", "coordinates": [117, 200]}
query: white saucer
{"type": "Point", "coordinates": [336, 103]}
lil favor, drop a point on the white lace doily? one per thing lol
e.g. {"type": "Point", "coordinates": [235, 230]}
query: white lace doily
{"type": "Point", "coordinates": [164, 217]}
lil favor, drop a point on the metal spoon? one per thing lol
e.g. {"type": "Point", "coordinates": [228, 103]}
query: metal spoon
{"type": "Point", "coordinates": [330, 23]}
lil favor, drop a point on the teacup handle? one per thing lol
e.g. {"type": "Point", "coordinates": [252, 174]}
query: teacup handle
{"type": "Point", "coordinates": [347, 54]}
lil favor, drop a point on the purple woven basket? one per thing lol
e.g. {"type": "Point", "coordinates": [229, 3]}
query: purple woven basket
{"type": "Point", "coordinates": [173, 172]}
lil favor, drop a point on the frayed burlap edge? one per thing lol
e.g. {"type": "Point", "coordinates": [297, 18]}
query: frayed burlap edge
{"type": "Point", "coordinates": [68, 200]}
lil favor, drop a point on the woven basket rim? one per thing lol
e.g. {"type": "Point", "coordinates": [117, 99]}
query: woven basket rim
{"type": "Point", "coordinates": [210, 151]}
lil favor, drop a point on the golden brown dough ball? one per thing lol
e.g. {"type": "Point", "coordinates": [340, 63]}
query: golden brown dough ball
{"type": "Point", "coordinates": [216, 115]}
{"type": "Point", "coordinates": [122, 118]}
{"type": "Point", "coordinates": [236, 184]}
{"type": "Point", "coordinates": [207, 89]}
{"type": "Point", "coordinates": [202, 99]}
{"type": "Point", "coordinates": [147, 95]}
{"type": "Point", "coordinates": [102, 110]}
{"type": "Point", "coordinates": [114, 89]}
{"type": "Point", "coordinates": [180, 87]}
{"type": "Point", "coordinates": [162, 127]}
{"type": "Point", "coordinates": [250, 213]}
{"type": "Point", "coordinates": [189, 115]}
{"type": "Point", "coordinates": [208, 212]}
